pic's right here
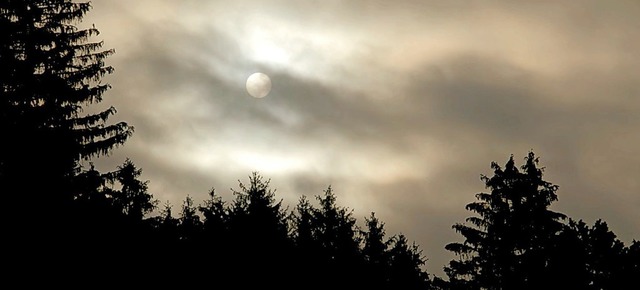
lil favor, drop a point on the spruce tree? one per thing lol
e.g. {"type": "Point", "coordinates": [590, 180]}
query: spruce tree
{"type": "Point", "coordinates": [132, 199]}
{"type": "Point", "coordinates": [213, 243]}
{"type": "Point", "coordinates": [189, 225]}
{"type": "Point", "coordinates": [405, 262]}
{"type": "Point", "coordinates": [259, 234]}
{"type": "Point", "coordinates": [336, 232]}
{"type": "Point", "coordinates": [303, 226]}
{"type": "Point", "coordinates": [307, 255]}
{"type": "Point", "coordinates": [375, 254]}
{"type": "Point", "coordinates": [50, 70]}
{"type": "Point", "coordinates": [256, 215]}
{"type": "Point", "coordinates": [214, 212]}
{"type": "Point", "coordinates": [507, 244]}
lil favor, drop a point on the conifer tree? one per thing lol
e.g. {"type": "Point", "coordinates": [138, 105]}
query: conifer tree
{"type": "Point", "coordinates": [259, 233]}
{"type": "Point", "coordinates": [375, 253]}
{"type": "Point", "coordinates": [167, 226]}
{"type": "Point", "coordinates": [405, 262]}
{"type": "Point", "coordinates": [336, 232]}
{"type": "Point", "coordinates": [307, 254]}
{"type": "Point", "coordinates": [132, 198]}
{"type": "Point", "coordinates": [303, 234]}
{"type": "Point", "coordinates": [49, 71]}
{"type": "Point", "coordinates": [507, 245]}
{"type": "Point", "coordinates": [215, 215]}
{"type": "Point", "coordinates": [255, 214]}
{"type": "Point", "coordinates": [189, 221]}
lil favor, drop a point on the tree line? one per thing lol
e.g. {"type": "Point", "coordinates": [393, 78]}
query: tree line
{"type": "Point", "coordinates": [68, 221]}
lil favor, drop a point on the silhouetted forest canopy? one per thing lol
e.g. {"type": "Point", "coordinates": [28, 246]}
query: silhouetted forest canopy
{"type": "Point", "coordinates": [64, 219]}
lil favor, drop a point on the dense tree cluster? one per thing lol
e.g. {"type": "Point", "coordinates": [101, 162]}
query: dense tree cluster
{"type": "Point", "coordinates": [252, 238]}
{"type": "Point", "coordinates": [516, 242]}
{"type": "Point", "coordinates": [71, 222]}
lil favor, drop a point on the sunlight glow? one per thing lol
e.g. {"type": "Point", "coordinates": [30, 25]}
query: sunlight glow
{"type": "Point", "coordinates": [270, 163]}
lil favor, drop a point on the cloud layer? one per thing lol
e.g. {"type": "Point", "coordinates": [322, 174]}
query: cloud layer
{"type": "Point", "coordinates": [399, 106]}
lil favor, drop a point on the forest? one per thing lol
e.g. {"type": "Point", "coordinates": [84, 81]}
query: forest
{"type": "Point", "coordinates": [64, 223]}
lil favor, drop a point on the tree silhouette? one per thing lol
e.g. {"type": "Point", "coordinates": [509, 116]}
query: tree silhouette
{"type": "Point", "coordinates": [336, 232]}
{"type": "Point", "coordinates": [213, 245]}
{"type": "Point", "coordinates": [632, 262]}
{"type": "Point", "coordinates": [167, 226]}
{"type": "Point", "coordinates": [605, 257]}
{"type": "Point", "coordinates": [375, 254]}
{"type": "Point", "coordinates": [216, 216]}
{"type": "Point", "coordinates": [189, 224]}
{"type": "Point", "coordinates": [303, 234]}
{"type": "Point", "coordinates": [49, 71]}
{"type": "Point", "coordinates": [132, 198]}
{"type": "Point", "coordinates": [568, 267]}
{"type": "Point", "coordinates": [506, 245]}
{"type": "Point", "coordinates": [259, 232]}
{"type": "Point", "coordinates": [307, 253]}
{"type": "Point", "coordinates": [607, 263]}
{"type": "Point", "coordinates": [405, 265]}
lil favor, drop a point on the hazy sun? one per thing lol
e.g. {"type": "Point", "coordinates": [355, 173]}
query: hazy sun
{"type": "Point", "coordinates": [258, 85]}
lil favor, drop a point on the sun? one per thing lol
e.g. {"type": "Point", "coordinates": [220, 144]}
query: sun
{"type": "Point", "coordinates": [258, 85]}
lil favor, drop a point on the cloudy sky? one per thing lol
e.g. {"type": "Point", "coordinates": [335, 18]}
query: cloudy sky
{"type": "Point", "coordinates": [399, 105]}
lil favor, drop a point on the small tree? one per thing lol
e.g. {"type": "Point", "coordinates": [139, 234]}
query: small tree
{"type": "Point", "coordinates": [167, 225]}
{"type": "Point", "coordinates": [132, 198]}
{"type": "Point", "coordinates": [405, 270]}
{"type": "Point", "coordinates": [190, 224]}
{"type": "Point", "coordinates": [215, 216]}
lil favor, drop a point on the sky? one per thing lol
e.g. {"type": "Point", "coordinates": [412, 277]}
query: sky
{"type": "Point", "coordinates": [400, 106]}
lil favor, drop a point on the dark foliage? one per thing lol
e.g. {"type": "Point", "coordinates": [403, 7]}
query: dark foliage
{"type": "Point", "coordinates": [516, 242]}
{"type": "Point", "coordinates": [49, 72]}
{"type": "Point", "coordinates": [507, 245]}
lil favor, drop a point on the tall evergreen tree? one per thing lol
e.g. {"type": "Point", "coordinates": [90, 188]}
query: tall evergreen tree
{"type": "Point", "coordinates": [49, 71]}
{"type": "Point", "coordinates": [255, 214]}
{"type": "Point", "coordinates": [336, 232]}
{"type": "Point", "coordinates": [375, 254]}
{"type": "Point", "coordinates": [335, 228]}
{"type": "Point", "coordinates": [303, 225]}
{"type": "Point", "coordinates": [213, 243]}
{"type": "Point", "coordinates": [307, 255]}
{"type": "Point", "coordinates": [259, 233]}
{"type": "Point", "coordinates": [506, 245]}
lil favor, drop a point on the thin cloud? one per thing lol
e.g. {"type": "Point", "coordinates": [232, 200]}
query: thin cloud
{"type": "Point", "coordinates": [399, 106]}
